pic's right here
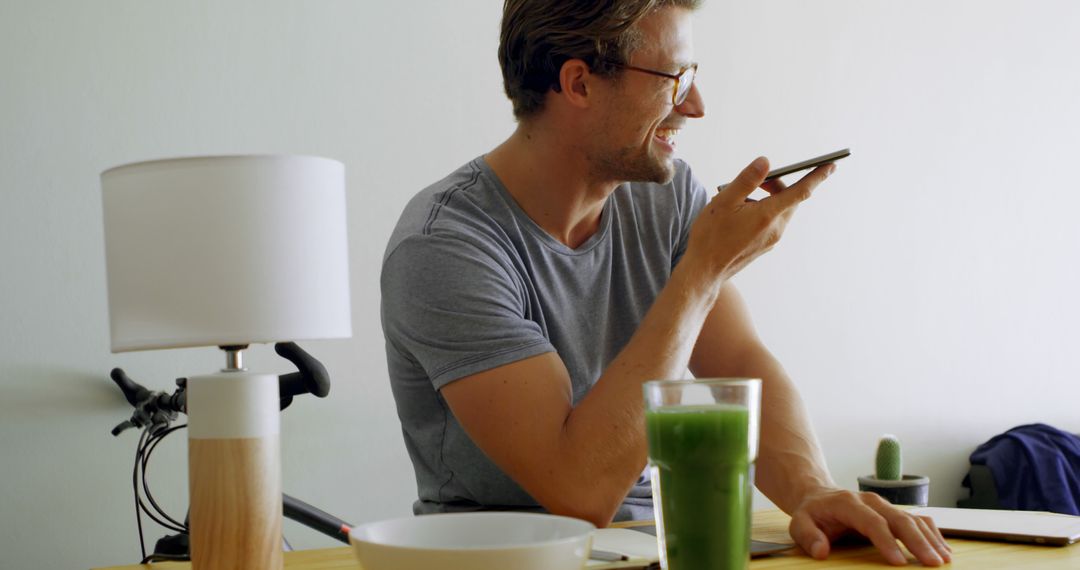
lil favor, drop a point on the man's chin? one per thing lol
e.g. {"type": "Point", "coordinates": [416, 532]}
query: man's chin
{"type": "Point", "coordinates": [653, 167]}
{"type": "Point", "coordinates": [660, 171]}
{"type": "Point", "coordinates": [648, 168]}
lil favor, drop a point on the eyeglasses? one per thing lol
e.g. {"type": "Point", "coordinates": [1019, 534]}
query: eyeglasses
{"type": "Point", "coordinates": [684, 79]}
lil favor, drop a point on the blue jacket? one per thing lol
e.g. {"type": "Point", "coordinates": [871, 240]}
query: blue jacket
{"type": "Point", "coordinates": [1036, 468]}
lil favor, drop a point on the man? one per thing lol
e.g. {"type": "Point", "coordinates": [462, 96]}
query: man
{"type": "Point", "coordinates": [528, 295]}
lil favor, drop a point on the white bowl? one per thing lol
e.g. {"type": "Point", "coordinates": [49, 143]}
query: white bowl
{"type": "Point", "coordinates": [474, 541]}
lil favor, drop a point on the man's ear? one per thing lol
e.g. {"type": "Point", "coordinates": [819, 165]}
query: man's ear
{"type": "Point", "coordinates": [575, 81]}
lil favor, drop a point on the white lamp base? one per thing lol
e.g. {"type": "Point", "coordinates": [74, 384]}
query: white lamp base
{"type": "Point", "coordinates": [234, 471]}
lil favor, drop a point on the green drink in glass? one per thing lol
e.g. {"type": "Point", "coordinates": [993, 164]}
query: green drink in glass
{"type": "Point", "coordinates": [702, 447]}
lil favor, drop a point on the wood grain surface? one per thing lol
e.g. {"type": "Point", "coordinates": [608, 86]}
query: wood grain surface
{"type": "Point", "coordinates": [236, 503]}
{"type": "Point", "coordinates": [772, 526]}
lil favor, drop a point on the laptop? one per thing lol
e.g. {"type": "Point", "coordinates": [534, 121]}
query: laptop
{"type": "Point", "coordinates": [1012, 526]}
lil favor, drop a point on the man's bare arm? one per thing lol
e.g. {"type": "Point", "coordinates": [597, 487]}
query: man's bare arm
{"type": "Point", "coordinates": [790, 463]}
{"type": "Point", "coordinates": [791, 468]}
{"type": "Point", "coordinates": [581, 460]}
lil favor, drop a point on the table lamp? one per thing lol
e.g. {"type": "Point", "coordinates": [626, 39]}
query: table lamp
{"type": "Point", "coordinates": [227, 251]}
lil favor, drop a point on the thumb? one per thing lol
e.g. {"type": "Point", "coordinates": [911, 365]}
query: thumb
{"type": "Point", "coordinates": [746, 182]}
{"type": "Point", "coordinates": [809, 537]}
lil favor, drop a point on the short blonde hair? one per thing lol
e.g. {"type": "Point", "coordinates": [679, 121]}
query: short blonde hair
{"type": "Point", "coordinates": [539, 36]}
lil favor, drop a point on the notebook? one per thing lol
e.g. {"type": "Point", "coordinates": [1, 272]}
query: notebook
{"type": "Point", "coordinates": [1012, 526]}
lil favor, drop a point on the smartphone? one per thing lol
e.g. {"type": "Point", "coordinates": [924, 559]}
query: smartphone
{"type": "Point", "coordinates": [808, 164]}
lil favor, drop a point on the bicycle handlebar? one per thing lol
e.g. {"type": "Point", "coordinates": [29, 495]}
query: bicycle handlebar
{"type": "Point", "coordinates": [311, 377]}
{"type": "Point", "coordinates": [133, 391]}
{"type": "Point", "coordinates": [160, 407]}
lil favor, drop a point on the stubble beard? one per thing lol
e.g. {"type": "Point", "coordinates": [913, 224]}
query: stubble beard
{"type": "Point", "coordinates": [632, 164]}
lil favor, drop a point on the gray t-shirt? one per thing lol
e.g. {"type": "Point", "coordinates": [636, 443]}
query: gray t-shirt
{"type": "Point", "coordinates": [470, 282]}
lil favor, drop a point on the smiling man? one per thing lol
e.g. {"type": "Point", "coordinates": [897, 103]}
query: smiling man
{"type": "Point", "coordinates": [529, 294]}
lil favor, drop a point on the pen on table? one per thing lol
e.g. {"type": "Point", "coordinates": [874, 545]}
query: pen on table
{"type": "Point", "coordinates": [605, 556]}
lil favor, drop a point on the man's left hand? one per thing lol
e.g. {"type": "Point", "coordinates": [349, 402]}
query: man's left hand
{"type": "Point", "coordinates": [825, 516]}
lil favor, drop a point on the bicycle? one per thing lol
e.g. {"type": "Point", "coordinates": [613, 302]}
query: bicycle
{"type": "Point", "coordinates": [156, 411]}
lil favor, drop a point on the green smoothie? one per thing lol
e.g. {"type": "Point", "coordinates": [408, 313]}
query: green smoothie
{"type": "Point", "coordinates": [702, 478]}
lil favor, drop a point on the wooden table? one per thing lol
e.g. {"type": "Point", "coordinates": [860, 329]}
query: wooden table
{"type": "Point", "coordinates": [770, 526]}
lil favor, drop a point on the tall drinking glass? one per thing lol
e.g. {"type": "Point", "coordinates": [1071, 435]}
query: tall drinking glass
{"type": "Point", "coordinates": [703, 442]}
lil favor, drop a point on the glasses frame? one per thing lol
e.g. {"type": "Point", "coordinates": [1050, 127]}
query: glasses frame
{"type": "Point", "coordinates": [675, 100]}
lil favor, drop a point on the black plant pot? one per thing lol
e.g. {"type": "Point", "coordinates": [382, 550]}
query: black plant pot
{"type": "Point", "coordinates": [910, 490]}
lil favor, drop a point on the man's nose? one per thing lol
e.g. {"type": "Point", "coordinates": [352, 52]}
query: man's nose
{"type": "Point", "coordinates": [693, 106]}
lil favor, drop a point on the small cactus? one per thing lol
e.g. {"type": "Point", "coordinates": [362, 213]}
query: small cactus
{"type": "Point", "coordinates": [888, 459]}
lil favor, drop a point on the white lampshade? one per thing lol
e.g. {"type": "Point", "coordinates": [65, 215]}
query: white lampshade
{"type": "Point", "coordinates": [226, 250]}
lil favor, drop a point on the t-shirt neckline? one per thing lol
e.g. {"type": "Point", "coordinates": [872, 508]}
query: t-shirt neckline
{"type": "Point", "coordinates": [547, 239]}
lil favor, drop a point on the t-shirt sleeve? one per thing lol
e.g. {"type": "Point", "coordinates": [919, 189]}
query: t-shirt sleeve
{"type": "Point", "coordinates": [455, 308]}
{"type": "Point", "coordinates": [691, 198]}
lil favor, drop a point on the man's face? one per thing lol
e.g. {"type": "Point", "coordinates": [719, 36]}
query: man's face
{"type": "Point", "coordinates": [634, 138]}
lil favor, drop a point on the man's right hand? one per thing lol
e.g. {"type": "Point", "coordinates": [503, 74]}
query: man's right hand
{"type": "Point", "coordinates": [733, 229]}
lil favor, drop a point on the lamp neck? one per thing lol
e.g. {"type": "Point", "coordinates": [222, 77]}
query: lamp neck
{"type": "Point", "coordinates": [234, 358]}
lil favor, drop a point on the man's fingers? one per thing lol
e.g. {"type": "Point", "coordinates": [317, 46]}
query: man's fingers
{"type": "Point", "coordinates": [873, 526]}
{"type": "Point", "coordinates": [808, 183]}
{"type": "Point", "coordinates": [746, 182]}
{"type": "Point", "coordinates": [933, 535]}
{"type": "Point", "coordinates": [803, 189]}
{"type": "Point", "coordinates": [846, 510]}
{"type": "Point", "coordinates": [774, 186]}
{"type": "Point", "coordinates": [830, 514]}
{"type": "Point", "coordinates": [809, 537]}
{"type": "Point", "coordinates": [910, 531]}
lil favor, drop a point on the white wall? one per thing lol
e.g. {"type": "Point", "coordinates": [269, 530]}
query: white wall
{"type": "Point", "coordinates": [929, 290]}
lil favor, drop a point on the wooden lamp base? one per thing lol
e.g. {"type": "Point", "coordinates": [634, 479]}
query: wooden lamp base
{"type": "Point", "coordinates": [234, 471]}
